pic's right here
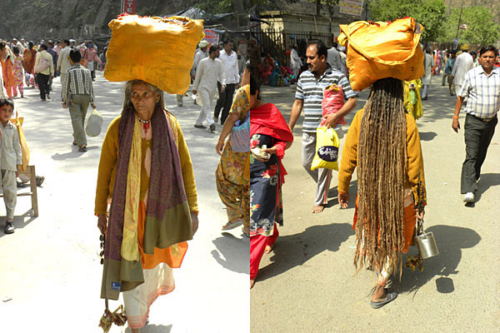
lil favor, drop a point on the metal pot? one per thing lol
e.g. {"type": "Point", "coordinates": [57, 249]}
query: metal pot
{"type": "Point", "coordinates": [426, 245]}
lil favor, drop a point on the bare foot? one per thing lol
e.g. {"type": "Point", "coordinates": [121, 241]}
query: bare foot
{"type": "Point", "coordinates": [252, 282]}
{"type": "Point", "coordinates": [318, 209]}
{"type": "Point", "coordinates": [268, 249]}
{"type": "Point", "coordinates": [379, 294]}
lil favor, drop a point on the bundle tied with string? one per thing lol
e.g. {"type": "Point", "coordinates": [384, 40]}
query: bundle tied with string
{"type": "Point", "coordinates": [381, 50]}
{"type": "Point", "coordinates": [156, 50]}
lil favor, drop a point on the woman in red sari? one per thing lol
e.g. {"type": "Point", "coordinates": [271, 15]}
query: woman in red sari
{"type": "Point", "coordinates": [268, 128]}
{"type": "Point", "coordinates": [267, 68]}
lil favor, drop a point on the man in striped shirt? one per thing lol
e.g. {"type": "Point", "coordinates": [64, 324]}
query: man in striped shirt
{"type": "Point", "coordinates": [77, 94]}
{"type": "Point", "coordinates": [309, 96]}
{"type": "Point", "coordinates": [482, 88]}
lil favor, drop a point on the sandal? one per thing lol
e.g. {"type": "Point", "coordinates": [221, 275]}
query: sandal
{"type": "Point", "coordinates": [82, 149]}
{"type": "Point", "coordinates": [389, 297]}
{"type": "Point", "coordinates": [232, 225]}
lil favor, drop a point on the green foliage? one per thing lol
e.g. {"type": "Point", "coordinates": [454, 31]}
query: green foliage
{"type": "Point", "coordinates": [429, 13]}
{"type": "Point", "coordinates": [481, 28]}
{"type": "Point", "coordinates": [216, 6]}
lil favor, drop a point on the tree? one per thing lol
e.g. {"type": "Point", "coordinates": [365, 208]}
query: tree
{"type": "Point", "coordinates": [429, 13]}
{"type": "Point", "coordinates": [481, 27]}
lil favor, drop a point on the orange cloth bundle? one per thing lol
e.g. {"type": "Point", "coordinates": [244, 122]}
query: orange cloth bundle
{"type": "Point", "coordinates": [381, 50]}
{"type": "Point", "coordinates": [157, 50]}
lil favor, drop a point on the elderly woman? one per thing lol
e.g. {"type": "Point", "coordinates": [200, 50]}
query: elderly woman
{"type": "Point", "coordinates": [270, 136]}
{"type": "Point", "coordinates": [233, 172]}
{"type": "Point", "coordinates": [145, 171]}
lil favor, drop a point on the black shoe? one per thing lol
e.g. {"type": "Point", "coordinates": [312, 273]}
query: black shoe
{"type": "Point", "coordinates": [212, 128]}
{"type": "Point", "coordinates": [200, 126]}
{"type": "Point", "coordinates": [9, 228]}
{"type": "Point", "coordinates": [21, 185]}
{"type": "Point", "coordinates": [82, 149]}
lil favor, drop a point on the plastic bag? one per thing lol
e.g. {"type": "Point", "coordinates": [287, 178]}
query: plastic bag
{"type": "Point", "coordinates": [156, 50]}
{"type": "Point", "coordinates": [381, 50]}
{"type": "Point", "coordinates": [94, 124]}
{"type": "Point", "coordinates": [333, 101]}
{"type": "Point", "coordinates": [327, 149]}
{"type": "Point", "coordinates": [43, 64]}
{"type": "Point", "coordinates": [25, 151]}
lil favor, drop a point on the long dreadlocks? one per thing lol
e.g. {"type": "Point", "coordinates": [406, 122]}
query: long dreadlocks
{"type": "Point", "coordinates": [381, 177]}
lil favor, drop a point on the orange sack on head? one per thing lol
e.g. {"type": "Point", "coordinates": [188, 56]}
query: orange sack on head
{"type": "Point", "coordinates": [383, 49]}
{"type": "Point", "coordinates": [156, 50]}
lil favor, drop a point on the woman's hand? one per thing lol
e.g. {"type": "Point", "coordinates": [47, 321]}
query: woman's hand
{"type": "Point", "coordinates": [344, 200]}
{"type": "Point", "coordinates": [420, 216]}
{"type": "Point", "coordinates": [219, 147]}
{"type": "Point", "coordinates": [271, 150]}
{"type": "Point", "coordinates": [194, 221]}
{"type": "Point", "coordinates": [102, 223]}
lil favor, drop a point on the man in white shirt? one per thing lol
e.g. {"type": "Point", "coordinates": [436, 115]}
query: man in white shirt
{"type": "Point", "coordinates": [334, 58]}
{"type": "Point", "coordinates": [209, 72]}
{"type": "Point", "coordinates": [19, 45]}
{"type": "Point", "coordinates": [343, 59]}
{"type": "Point", "coordinates": [201, 53]}
{"type": "Point", "coordinates": [230, 63]}
{"type": "Point", "coordinates": [463, 64]}
{"type": "Point", "coordinates": [63, 63]}
{"type": "Point", "coordinates": [295, 61]}
{"type": "Point", "coordinates": [481, 86]}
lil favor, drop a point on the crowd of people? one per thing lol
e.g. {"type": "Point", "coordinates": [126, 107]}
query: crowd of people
{"type": "Point", "coordinates": [385, 129]}
{"type": "Point", "coordinates": [221, 86]}
{"type": "Point", "coordinates": [146, 172]}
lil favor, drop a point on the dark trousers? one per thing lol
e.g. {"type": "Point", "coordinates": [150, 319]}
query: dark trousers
{"type": "Point", "coordinates": [43, 84]}
{"type": "Point", "coordinates": [225, 101]}
{"type": "Point", "coordinates": [478, 135]}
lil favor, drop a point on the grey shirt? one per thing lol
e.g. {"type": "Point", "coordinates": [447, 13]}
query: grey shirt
{"type": "Point", "coordinates": [334, 59]}
{"type": "Point", "coordinates": [11, 148]}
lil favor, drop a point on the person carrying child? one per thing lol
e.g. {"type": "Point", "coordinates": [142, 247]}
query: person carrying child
{"type": "Point", "coordinates": [10, 160]}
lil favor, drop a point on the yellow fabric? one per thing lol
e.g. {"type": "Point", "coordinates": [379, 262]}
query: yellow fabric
{"type": "Point", "coordinates": [109, 159]}
{"type": "Point", "coordinates": [415, 110]}
{"type": "Point", "coordinates": [414, 159]}
{"type": "Point", "coordinates": [130, 248]}
{"type": "Point", "coordinates": [153, 49]}
{"type": "Point", "coordinates": [25, 151]}
{"type": "Point", "coordinates": [327, 149]}
{"type": "Point", "coordinates": [381, 50]}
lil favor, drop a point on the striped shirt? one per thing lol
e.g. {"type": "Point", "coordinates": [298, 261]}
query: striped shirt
{"type": "Point", "coordinates": [311, 90]}
{"type": "Point", "coordinates": [483, 92]}
{"type": "Point", "coordinates": [79, 83]}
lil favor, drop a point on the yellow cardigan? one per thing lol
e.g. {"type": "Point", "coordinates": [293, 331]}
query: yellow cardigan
{"type": "Point", "coordinates": [109, 160]}
{"type": "Point", "coordinates": [414, 160]}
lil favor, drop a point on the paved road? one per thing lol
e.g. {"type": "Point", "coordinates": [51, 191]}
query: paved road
{"type": "Point", "coordinates": [50, 267]}
{"type": "Point", "coordinates": [308, 283]}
